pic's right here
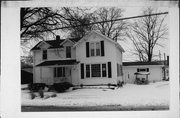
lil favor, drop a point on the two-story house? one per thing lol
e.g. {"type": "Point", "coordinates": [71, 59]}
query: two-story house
{"type": "Point", "coordinates": [93, 59]}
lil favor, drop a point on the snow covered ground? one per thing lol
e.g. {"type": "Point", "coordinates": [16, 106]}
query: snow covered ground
{"type": "Point", "coordinates": [154, 94]}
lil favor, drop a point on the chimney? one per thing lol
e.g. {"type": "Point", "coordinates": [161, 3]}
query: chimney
{"type": "Point", "coordinates": [57, 37]}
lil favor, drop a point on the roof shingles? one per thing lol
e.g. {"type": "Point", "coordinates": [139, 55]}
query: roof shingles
{"type": "Point", "coordinates": [54, 43]}
{"type": "Point", "coordinates": [58, 62]}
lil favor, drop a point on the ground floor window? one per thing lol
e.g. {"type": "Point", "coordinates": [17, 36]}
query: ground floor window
{"type": "Point", "coordinates": [96, 70]}
{"type": "Point", "coordinates": [119, 70]}
{"type": "Point", "coordinates": [104, 70]}
{"type": "Point", "coordinates": [59, 72]}
{"type": "Point", "coordinates": [87, 70]}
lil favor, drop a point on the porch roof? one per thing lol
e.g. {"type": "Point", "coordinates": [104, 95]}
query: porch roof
{"type": "Point", "coordinates": [142, 73]}
{"type": "Point", "coordinates": [58, 62]}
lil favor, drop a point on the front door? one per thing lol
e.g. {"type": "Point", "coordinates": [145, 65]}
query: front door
{"type": "Point", "coordinates": [59, 74]}
{"type": "Point", "coordinates": [62, 74]}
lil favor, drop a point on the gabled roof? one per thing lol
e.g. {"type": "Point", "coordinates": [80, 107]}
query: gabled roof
{"type": "Point", "coordinates": [77, 41]}
{"type": "Point", "coordinates": [98, 33]}
{"type": "Point", "coordinates": [143, 63]}
{"type": "Point", "coordinates": [55, 43]}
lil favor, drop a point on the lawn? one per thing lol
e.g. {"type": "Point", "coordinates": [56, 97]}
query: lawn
{"type": "Point", "coordinates": [154, 96]}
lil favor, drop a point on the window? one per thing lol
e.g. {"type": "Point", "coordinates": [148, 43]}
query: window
{"type": "Point", "coordinates": [119, 70]}
{"type": "Point", "coordinates": [98, 49]}
{"type": "Point", "coordinates": [95, 70]}
{"type": "Point", "coordinates": [44, 55]}
{"type": "Point", "coordinates": [59, 72]}
{"type": "Point", "coordinates": [68, 52]}
{"type": "Point", "coordinates": [92, 50]}
{"type": "Point", "coordinates": [142, 69]}
{"type": "Point", "coordinates": [87, 70]}
{"type": "Point", "coordinates": [95, 49]}
{"type": "Point", "coordinates": [103, 70]}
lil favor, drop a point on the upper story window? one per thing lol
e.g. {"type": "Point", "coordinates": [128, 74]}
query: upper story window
{"type": "Point", "coordinates": [44, 54]}
{"type": "Point", "coordinates": [68, 52]}
{"type": "Point", "coordinates": [98, 49]}
{"type": "Point", "coordinates": [95, 49]}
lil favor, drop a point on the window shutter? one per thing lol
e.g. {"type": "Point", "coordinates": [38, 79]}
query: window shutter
{"type": "Point", "coordinates": [147, 69]}
{"type": "Point", "coordinates": [109, 70]}
{"type": "Point", "coordinates": [87, 49]}
{"type": "Point", "coordinates": [102, 48]}
{"type": "Point", "coordinates": [55, 72]}
{"type": "Point", "coordinates": [82, 71]}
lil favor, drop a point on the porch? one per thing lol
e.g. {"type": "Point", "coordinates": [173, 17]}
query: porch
{"type": "Point", "coordinates": [57, 71]}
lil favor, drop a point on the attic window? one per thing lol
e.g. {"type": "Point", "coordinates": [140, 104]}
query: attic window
{"type": "Point", "coordinates": [44, 54]}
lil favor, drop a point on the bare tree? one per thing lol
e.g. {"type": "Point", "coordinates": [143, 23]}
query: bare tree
{"type": "Point", "coordinates": [36, 22]}
{"type": "Point", "coordinates": [112, 29]}
{"type": "Point", "coordinates": [77, 21]}
{"type": "Point", "coordinates": [147, 33]}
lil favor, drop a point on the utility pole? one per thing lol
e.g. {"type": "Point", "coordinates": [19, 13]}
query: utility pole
{"type": "Point", "coordinates": [159, 55]}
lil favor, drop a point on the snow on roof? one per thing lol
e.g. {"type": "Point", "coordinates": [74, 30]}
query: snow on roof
{"type": "Point", "coordinates": [142, 73]}
{"type": "Point", "coordinates": [55, 43]}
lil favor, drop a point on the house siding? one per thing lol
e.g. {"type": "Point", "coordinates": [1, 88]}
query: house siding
{"type": "Point", "coordinates": [119, 61]}
{"type": "Point", "coordinates": [109, 57]}
{"type": "Point", "coordinates": [111, 54]}
{"type": "Point", "coordinates": [45, 75]}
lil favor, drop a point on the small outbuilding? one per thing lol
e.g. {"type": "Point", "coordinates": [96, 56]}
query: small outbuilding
{"type": "Point", "coordinates": [151, 71]}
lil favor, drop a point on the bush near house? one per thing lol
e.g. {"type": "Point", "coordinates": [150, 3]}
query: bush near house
{"type": "Point", "coordinates": [141, 81]}
{"type": "Point", "coordinates": [26, 77]}
{"type": "Point", "coordinates": [62, 87]}
{"type": "Point", "coordinates": [36, 86]}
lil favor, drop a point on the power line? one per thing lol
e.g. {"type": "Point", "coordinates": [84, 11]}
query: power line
{"type": "Point", "coordinates": [127, 18]}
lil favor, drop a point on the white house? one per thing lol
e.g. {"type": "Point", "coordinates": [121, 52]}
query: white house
{"type": "Point", "coordinates": [155, 71]}
{"type": "Point", "coordinates": [92, 60]}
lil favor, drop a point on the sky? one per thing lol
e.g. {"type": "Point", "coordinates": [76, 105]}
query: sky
{"type": "Point", "coordinates": [127, 45]}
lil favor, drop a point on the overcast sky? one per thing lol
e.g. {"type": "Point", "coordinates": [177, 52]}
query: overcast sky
{"type": "Point", "coordinates": [128, 47]}
{"type": "Point", "coordinates": [134, 11]}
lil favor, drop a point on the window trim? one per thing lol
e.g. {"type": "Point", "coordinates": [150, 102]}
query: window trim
{"type": "Point", "coordinates": [67, 52]}
{"type": "Point", "coordinates": [56, 72]}
{"type": "Point", "coordinates": [100, 70]}
{"type": "Point", "coordinates": [43, 55]}
{"type": "Point", "coordinates": [146, 69]}
{"type": "Point", "coordinates": [119, 70]}
{"type": "Point", "coordinates": [89, 70]}
{"type": "Point", "coordinates": [95, 48]}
